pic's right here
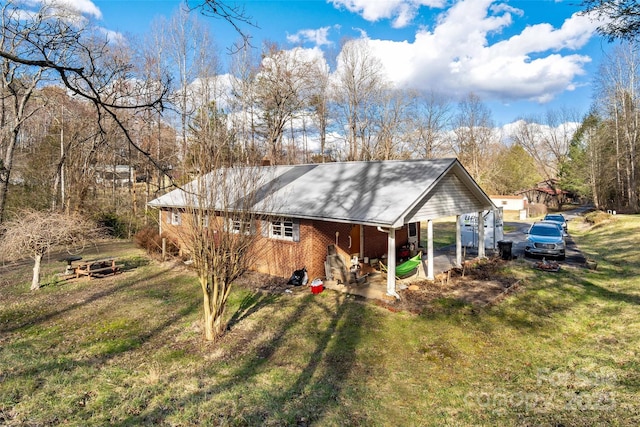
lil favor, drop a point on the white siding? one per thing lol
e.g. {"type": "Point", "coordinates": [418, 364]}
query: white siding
{"type": "Point", "coordinates": [449, 197]}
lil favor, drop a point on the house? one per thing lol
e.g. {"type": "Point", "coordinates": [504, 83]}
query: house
{"type": "Point", "coordinates": [363, 209]}
{"type": "Point", "coordinates": [548, 193]}
{"type": "Point", "coordinates": [121, 175]}
{"type": "Point", "coordinates": [510, 203]}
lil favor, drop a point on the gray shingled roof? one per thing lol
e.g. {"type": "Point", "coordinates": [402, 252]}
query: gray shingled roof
{"type": "Point", "coordinates": [374, 193]}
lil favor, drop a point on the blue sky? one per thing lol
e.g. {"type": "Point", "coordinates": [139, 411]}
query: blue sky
{"type": "Point", "coordinates": [521, 57]}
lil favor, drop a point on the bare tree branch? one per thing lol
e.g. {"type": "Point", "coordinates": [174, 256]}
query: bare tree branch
{"type": "Point", "coordinates": [621, 18]}
{"type": "Point", "coordinates": [232, 13]}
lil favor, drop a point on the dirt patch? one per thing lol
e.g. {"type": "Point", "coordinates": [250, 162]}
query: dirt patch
{"type": "Point", "coordinates": [481, 283]}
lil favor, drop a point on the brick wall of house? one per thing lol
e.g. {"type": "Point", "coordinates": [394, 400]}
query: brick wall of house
{"type": "Point", "coordinates": [280, 257]}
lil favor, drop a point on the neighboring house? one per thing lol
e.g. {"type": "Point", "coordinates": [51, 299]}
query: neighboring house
{"type": "Point", "coordinates": [547, 193]}
{"type": "Point", "coordinates": [510, 203]}
{"type": "Point", "coordinates": [367, 209]}
{"type": "Point", "coordinates": [119, 174]}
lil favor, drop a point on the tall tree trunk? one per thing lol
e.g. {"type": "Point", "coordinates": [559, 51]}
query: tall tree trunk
{"type": "Point", "coordinates": [209, 333]}
{"type": "Point", "coordinates": [35, 281]}
{"type": "Point", "coordinates": [5, 172]}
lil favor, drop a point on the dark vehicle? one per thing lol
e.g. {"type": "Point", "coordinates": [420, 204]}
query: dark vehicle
{"type": "Point", "coordinates": [545, 239]}
{"type": "Point", "coordinates": [559, 218]}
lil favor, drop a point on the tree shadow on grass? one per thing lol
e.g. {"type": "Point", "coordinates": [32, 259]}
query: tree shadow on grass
{"type": "Point", "coordinates": [298, 400]}
{"type": "Point", "coordinates": [551, 294]}
{"type": "Point", "coordinates": [100, 292]}
{"type": "Point", "coordinates": [249, 305]}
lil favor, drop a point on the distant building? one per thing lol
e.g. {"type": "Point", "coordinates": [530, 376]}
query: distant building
{"type": "Point", "coordinates": [547, 193]}
{"type": "Point", "coordinates": [510, 203]}
{"type": "Point", "coordinates": [122, 174]}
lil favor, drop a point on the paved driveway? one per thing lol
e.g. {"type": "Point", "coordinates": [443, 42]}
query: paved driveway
{"type": "Point", "coordinates": [518, 237]}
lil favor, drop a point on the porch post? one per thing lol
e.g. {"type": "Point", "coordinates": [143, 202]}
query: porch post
{"type": "Point", "coordinates": [391, 263]}
{"type": "Point", "coordinates": [480, 235]}
{"type": "Point", "coordinates": [430, 275]}
{"type": "Point", "coordinates": [458, 242]}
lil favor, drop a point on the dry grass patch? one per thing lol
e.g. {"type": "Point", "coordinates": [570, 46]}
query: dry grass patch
{"type": "Point", "coordinates": [128, 350]}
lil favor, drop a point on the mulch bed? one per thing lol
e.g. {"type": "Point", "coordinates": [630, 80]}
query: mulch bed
{"type": "Point", "coordinates": [482, 283]}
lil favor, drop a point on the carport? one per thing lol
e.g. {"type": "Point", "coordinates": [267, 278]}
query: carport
{"type": "Point", "coordinates": [447, 192]}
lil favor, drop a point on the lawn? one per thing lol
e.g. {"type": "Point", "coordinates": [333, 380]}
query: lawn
{"type": "Point", "coordinates": [128, 350]}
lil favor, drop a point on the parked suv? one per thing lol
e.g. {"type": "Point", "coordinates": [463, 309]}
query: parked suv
{"type": "Point", "coordinates": [545, 238]}
{"type": "Point", "coordinates": [559, 218]}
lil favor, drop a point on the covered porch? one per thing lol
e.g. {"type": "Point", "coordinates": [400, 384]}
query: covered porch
{"type": "Point", "coordinates": [436, 263]}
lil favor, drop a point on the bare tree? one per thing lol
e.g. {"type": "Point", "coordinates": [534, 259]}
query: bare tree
{"type": "Point", "coordinates": [156, 136]}
{"type": "Point", "coordinates": [233, 14]}
{"type": "Point", "coordinates": [473, 135]}
{"type": "Point", "coordinates": [547, 140]}
{"type": "Point", "coordinates": [390, 126]}
{"type": "Point", "coordinates": [282, 88]}
{"type": "Point", "coordinates": [619, 103]}
{"type": "Point", "coordinates": [188, 58]}
{"type": "Point", "coordinates": [219, 231]}
{"type": "Point", "coordinates": [429, 118]}
{"type": "Point", "coordinates": [59, 44]}
{"type": "Point", "coordinates": [244, 67]}
{"type": "Point", "coordinates": [356, 91]}
{"type": "Point", "coordinates": [36, 233]}
{"type": "Point", "coordinates": [319, 104]}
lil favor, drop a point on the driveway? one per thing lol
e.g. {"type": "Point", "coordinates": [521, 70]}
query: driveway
{"type": "Point", "coordinates": [518, 236]}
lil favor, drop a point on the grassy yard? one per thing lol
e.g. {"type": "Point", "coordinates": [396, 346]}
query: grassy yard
{"type": "Point", "coordinates": [128, 350]}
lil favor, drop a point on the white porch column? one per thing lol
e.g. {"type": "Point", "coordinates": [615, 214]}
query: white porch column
{"type": "Point", "coordinates": [458, 242]}
{"type": "Point", "coordinates": [430, 275]}
{"type": "Point", "coordinates": [391, 263]}
{"type": "Point", "coordinates": [480, 235]}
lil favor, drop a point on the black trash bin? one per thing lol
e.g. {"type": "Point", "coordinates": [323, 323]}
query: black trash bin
{"type": "Point", "coordinates": [504, 247]}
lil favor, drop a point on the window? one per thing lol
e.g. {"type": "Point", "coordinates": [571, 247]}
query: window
{"type": "Point", "coordinates": [241, 226]}
{"type": "Point", "coordinates": [284, 229]}
{"type": "Point", "coordinates": [197, 217]}
{"type": "Point", "coordinates": [175, 218]}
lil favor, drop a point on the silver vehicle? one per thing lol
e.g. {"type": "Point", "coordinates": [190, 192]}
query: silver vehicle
{"type": "Point", "coordinates": [545, 239]}
{"type": "Point", "coordinates": [559, 218]}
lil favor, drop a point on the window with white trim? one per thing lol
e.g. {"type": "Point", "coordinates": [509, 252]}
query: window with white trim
{"type": "Point", "coordinates": [175, 217]}
{"type": "Point", "coordinates": [200, 219]}
{"type": "Point", "coordinates": [283, 229]}
{"type": "Point", "coordinates": [241, 226]}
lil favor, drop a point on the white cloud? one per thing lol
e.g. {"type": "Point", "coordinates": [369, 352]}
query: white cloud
{"type": "Point", "coordinates": [456, 57]}
{"type": "Point", "coordinates": [401, 12]}
{"type": "Point", "coordinates": [81, 7]}
{"type": "Point", "coordinates": [319, 37]}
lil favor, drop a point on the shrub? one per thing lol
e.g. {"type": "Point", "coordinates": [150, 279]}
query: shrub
{"type": "Point", "coordinates": [149, 240]}
{"type": "Point", "coordinates": [597, 217]}
{"type": "Point", "coordinates": [537, 209]}
{"type": "Point", "coordinates": [114, 224]}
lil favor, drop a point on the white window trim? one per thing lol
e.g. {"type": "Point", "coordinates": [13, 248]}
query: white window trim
{"type": "Point", "coordinates": [175, 217]}
{"type": "Point", "coordinates": [244, 226]}
{"type": "Point", "coordinates": [281, 234]}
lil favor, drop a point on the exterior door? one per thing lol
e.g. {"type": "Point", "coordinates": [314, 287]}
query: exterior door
{"type": "Point", "coordinates": [354, 240]}
{"type": "Point", "coordinates": [414, 235]}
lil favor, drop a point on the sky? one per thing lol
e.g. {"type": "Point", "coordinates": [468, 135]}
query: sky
{"type": "Point", "coordinates": [522, 58]}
